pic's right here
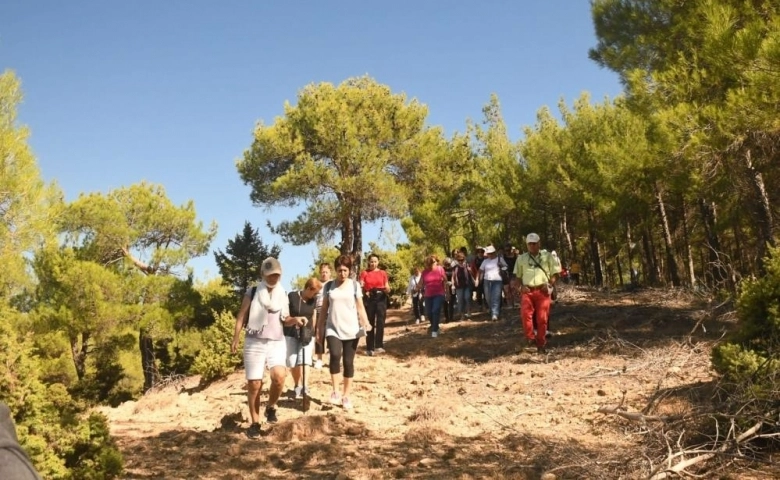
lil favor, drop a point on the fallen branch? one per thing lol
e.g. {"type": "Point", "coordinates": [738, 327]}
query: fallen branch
{"type": "Point", "coordinates": [634, 416]}
{"type": "Point", "coordinates": [679, 467]}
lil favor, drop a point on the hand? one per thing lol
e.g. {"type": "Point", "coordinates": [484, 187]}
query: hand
{"type": "Point", "coordinates": [524, 289]}
{"type": "Point", "coordinates": [301, 321]}
{"type": "Point", "coordinates": [547, 288]}
{"type": "Point", "coordinates": [367, 327]}
{"type": "Point", "coordinates": [234, 346]}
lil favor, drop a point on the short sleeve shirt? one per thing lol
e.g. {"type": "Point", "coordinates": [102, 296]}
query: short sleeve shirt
{"type": "Point", "coordinates": [530, 274]}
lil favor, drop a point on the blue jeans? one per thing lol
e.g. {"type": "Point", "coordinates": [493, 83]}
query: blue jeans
{"type": "Point", "coordinates": [493, 290]}
{"type": "Point", "coordinates": [463, 299]}
{"type": "Point", "coordinates": [433, 310]}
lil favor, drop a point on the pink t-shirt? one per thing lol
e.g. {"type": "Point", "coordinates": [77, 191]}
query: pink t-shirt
{"type": "Point", "coordinates": [432, 281]}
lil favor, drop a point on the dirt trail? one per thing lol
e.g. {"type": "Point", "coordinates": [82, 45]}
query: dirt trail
{"type": "Point", "coordinates": [472, 403]}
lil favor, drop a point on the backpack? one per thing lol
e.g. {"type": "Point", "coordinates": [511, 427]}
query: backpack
{"type": "Point", "coordinates": [252, 293]}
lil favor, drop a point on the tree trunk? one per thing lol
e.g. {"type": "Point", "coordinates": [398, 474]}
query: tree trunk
{"type": "Point", "coordinates": [716, 267]}
{"type": "Point", "coordinates": [151, 374]}
{"type": "Point", "coordinates": [688, 249]}
{"type": "Point", "coordinates": [79, 352]}
{"type": "Point", "coordinates": [762, 210]}
{"type": "Point", "coordinates": [357, 243]}
{"type": "Point", "coordinates": [651, 268]}
{"type": "Point", "coordinates": [630, 246]}
{"type": "Point", "coordinates": [567, 238]}
{"type": "Point", "coordinates": [618, 265]}
{"type": "Point", "coordinates": [671, 262]}
{"type": "Point", "coordinates": [598, 275]}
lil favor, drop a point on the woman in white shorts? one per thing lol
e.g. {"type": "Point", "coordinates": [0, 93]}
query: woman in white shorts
{"type": "Point", "coordinates": [264, 345]}
{"type": "Point", "coordinates": [303, 305]}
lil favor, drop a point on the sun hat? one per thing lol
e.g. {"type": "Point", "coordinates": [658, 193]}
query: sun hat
{"type": "Point", "coordinates": [490, 249]}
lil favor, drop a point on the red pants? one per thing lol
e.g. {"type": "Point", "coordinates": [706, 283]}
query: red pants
{"type": "Point", "coordinates": [535, 301]}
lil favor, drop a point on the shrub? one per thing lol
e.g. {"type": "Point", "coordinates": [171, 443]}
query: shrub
{"type": "Point", "coordinates": [752, 352]}
{"type": "Point", "coordinates": [214, 359]}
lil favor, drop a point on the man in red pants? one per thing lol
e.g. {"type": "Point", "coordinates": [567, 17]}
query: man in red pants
{"type": "Point", "coordinates": [535, 274]}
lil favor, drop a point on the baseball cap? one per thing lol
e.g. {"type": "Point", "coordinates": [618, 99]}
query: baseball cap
{"type": "Point", "coordinates": [532, 238]}
{"type": "Point", "coordinates": [271, 266]}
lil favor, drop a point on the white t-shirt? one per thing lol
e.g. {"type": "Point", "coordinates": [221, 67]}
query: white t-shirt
{"type": "Point", "coordinates": [490, 269]}
{"type": "Point", "coordinates": [343, 320]}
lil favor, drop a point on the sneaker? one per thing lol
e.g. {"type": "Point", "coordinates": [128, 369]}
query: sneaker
{"type": "Point", "coordinates": [254, 431]}
{"type": "Point", "coordinates": [299, 391]}
{"type": "Point", "coordinates": [494, 319]}
{"type": "Point", "coordinates": [346, 403]}
{"type": "Point", "coordinates": [335, 399]}
{"type": "Point", "coordinates": [468, 316]}
{"type": "Point", "coordinates": [270, 415]}
{"type": "Point", "coordinates": [318, 364]}
{"type": "Point", "coordinates": [434, 334]}
{"type": "Point", "coordinates": [541, 350]}
{"type": "Point", "coordinates": [417, 321]}
{"type": "Point", "coordinates": [380, 350]}
{"type": "Point", "coordinates": [370, 353]}
{"type": "Point", "coordinates": [548, 334]}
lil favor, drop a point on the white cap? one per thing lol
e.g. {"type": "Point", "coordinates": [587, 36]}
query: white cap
{"type": "Point", "coordinates": [532, 238]}
{"type": "Point", "coordinates": [271, 266]}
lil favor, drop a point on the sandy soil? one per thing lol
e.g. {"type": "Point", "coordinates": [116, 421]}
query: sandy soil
{"type": "Point", "coordinates": [473, 403]}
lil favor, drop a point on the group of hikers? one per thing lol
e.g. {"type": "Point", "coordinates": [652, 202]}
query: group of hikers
{"type": "Point", "coordinates": [290, 330]}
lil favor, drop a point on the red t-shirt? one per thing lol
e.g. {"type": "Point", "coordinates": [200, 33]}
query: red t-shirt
{"type": "Point", "coordinates": [433, 281]}
{"type": "Point", "coordinates": [373, 279]}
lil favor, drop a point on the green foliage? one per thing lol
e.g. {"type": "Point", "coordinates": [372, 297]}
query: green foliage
{"type": "Point", "coordinates": [27, 204]}
{"type": "Point", "coordinates": [346, 151]}
{"type": "Point", "coordinates": [62, 442]}
{"type": "Point", "coordinates": [239, 266]}
{"type": "Point", "coordinates": [214, 359]}
{"type": "Point", "coordinates": [752, 354]}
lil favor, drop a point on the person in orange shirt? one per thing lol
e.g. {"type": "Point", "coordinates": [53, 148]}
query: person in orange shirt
{"type": "Point", "coordinates": [376, 287]}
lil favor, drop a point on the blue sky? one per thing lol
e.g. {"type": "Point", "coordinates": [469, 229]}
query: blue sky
{"type": "Point", "coordinates": [169, 92]}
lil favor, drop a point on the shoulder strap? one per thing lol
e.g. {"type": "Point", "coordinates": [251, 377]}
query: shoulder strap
{"type": "Point", "coordinates": [252, 293]}
{"type": "Point", "coordinates": [354, 284]}
{"type": "Point", "coordinates": [537, 264]}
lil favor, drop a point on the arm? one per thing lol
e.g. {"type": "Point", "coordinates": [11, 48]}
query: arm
{"type": "Point", "coordinates": [323, 312]}
{"type": "Point", "coordinates": [387, 282]}
{"type": "Point", "coordinates": [242, 312]}
{"type": "Point", "coordinates": [362, 315]}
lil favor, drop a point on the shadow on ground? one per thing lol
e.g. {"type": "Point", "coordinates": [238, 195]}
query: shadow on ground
{"type": "Point", "coordinates": [630, 322]}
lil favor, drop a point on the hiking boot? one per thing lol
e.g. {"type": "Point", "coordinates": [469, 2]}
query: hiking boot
{"type": "Point", "coordinates": [318, 364]}
{"type": "Point", "coordinates": [254, 431]}
{"type": "Point", "coordinates": [270, 415]}
{"type": "Point", "coordinates": [541, 350]}
{"type": "Point", "coordinates": [335, 399]}
{"type": "Point", "coordinates": [346, 403]}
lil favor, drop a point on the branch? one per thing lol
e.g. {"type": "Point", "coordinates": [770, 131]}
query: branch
{"type": "Point", "coordinates": [677, 469]}
{"type": "Point", "coordinates": [138, 263]}
{"type": "Point", "coordinates": [634, 416]}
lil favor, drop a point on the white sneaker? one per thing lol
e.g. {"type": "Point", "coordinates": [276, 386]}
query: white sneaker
{"type": "Point", "coordinates": [299, 391]}
{"type": "Point", "coordinates": [417, 322]}
{"type": "Point", "coordinates": [434, 334]}
{"type": "Point", "coordinates": [318, 364]}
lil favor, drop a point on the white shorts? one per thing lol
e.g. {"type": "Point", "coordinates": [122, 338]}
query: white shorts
{"type": "Point", "coordinates": [293, 359]}
{"type": "Point", "coordinates": [259, 353]}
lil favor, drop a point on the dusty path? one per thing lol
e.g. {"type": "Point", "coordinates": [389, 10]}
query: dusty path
{"type": "Point", "coordinates": [470, 404]}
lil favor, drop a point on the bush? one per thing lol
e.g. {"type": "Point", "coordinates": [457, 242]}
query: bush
{"type": "Point", "coordinates": [751, 354]}
{"type": "Point", "coordinates": [214, 360]}
{"type": "Point", "coordinates": [52, 427]}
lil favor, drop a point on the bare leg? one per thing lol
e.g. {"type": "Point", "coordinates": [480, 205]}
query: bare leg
{"type": "Point", "coordinates": [347, 387]}
{"type": "Point", "coordinates": [296, 374]}
{"type": "Point", "coordinates": [253, 396]}
{"type": "Point", "coordinates": [277, 384]}
{"type": "Point", "coordinates": [335, 380]}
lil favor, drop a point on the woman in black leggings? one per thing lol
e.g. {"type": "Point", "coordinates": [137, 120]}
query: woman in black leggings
{"type": "Point", "coordinates": [342, 306]}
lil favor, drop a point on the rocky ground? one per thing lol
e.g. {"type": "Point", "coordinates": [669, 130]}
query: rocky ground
{"type": "Point", "coordinates": [473, 403]}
